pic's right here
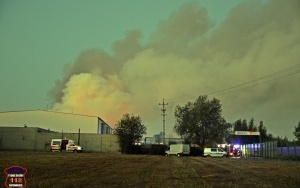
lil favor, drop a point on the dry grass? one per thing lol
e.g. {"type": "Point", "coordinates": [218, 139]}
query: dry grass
{"type": "Point", "coordinates": [46, 169]}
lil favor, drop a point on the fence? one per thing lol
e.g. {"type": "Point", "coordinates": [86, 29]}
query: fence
{"type": "Point", "coordinates": [289, 153]}
{"type": "Point", "coordinates": [266, 149]}
{"type": "Point", "coordinates": [271, 150]}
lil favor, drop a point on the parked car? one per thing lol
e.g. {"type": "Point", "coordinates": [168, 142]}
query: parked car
{"type": "Point", "coordinates": [214, 152]}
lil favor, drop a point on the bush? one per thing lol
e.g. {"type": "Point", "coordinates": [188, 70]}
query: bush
{"type": "Point", "coordinates": [158, 149]}
{"type": "Point", "coordinates": [196, 151]}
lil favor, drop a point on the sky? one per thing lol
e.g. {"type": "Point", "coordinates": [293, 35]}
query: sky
{"type": "Point", "coordinates": [108, 58]}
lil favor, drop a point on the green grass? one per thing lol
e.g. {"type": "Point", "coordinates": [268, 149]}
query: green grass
{"type": "Point", "coordinates": [46, 169]}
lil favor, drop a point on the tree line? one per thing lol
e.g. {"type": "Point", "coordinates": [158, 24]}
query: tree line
{"type": "Point", "coordinates": [200, 122]}
{"type": "Point", "coordinates": [242, 125]}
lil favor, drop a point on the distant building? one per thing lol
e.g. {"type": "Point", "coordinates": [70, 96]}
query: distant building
{"type": "Point", "coordinates": [55, 121]}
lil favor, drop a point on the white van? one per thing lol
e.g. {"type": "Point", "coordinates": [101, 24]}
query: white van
{"type": "Point", "coordinates": [214, 152]}
{"type": "Point", "coordinates": [178, 149]}
{"type": "Point", "coordinates": [65, 145]}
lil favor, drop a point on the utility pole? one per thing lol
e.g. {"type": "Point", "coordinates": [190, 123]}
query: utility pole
{"type": "Point", "coordinates": [164, 115]}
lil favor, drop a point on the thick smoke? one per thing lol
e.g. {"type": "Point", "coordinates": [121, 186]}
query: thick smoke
{"type": "Point", "coordinates": [187, 57]}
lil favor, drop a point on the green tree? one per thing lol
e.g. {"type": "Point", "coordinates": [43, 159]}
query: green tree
{"type": "Point", "coordinates": [263, 131]}
{"type": "Point", "coordinates": [283, 142]}
{"type": "Point", "coordinates": [238, 125]}
{"type": "Point", "coordinates": [297, 132]}
{"type": "Point", "coordinates": [252, 126]}
{"type": "Point", "coordinates": [129, 129]}
{"type": "Point", "coordinates": [201, 122]}
{"type": "Point", "coordinates": [244, 125]}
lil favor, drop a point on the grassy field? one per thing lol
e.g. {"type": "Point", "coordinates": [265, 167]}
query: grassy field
{"type": "Point", "coordinates": [46, 169]}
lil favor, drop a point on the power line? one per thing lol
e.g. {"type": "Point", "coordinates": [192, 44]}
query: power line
{"type": "Point", "coordinates": [286, 72]}
{"type": "Point", "coordinates": [259, 83]}
{"type": "Point", "coordinates": [292, 68]}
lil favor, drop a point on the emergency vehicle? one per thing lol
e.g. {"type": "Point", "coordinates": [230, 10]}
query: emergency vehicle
{"type": "Point", "coordinates": [58, 145]}
{"type": "Point", "coordinates": [231, 149]}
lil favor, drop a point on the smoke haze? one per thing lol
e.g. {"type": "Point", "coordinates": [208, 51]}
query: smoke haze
{"type": "Point", "coordinates": [189, 56]}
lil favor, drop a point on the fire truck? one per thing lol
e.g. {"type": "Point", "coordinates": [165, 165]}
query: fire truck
{"type": "Point", "coordinates": [231, 149]}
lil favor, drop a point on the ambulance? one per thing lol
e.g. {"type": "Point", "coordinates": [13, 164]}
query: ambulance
{"type": "Point", "coordinates": [58, 145]}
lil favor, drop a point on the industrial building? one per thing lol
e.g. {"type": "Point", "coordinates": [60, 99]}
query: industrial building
{"type": "Point", "coordinates": [37, 139]}
{"type": "Point", "coordinates": [55, 121]}
{"type": "Point", "coordinates": [33, 130]}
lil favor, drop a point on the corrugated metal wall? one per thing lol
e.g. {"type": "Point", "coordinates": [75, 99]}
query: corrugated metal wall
{"type": "Point", "coordinates": [30, 138]}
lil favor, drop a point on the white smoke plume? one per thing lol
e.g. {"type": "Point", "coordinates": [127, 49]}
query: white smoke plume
{"type": "Point", "coordinates": [187, 57]}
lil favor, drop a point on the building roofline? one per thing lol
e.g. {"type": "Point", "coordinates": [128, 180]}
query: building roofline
{"type": "Point", "coordinates": [27, 127]}
{"type": "Point", "coordinates": [104, 122]}
{"type": "Point", "coordinates": [51, 111]}
{"type": "Point", "coordinates": [58, 112]}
